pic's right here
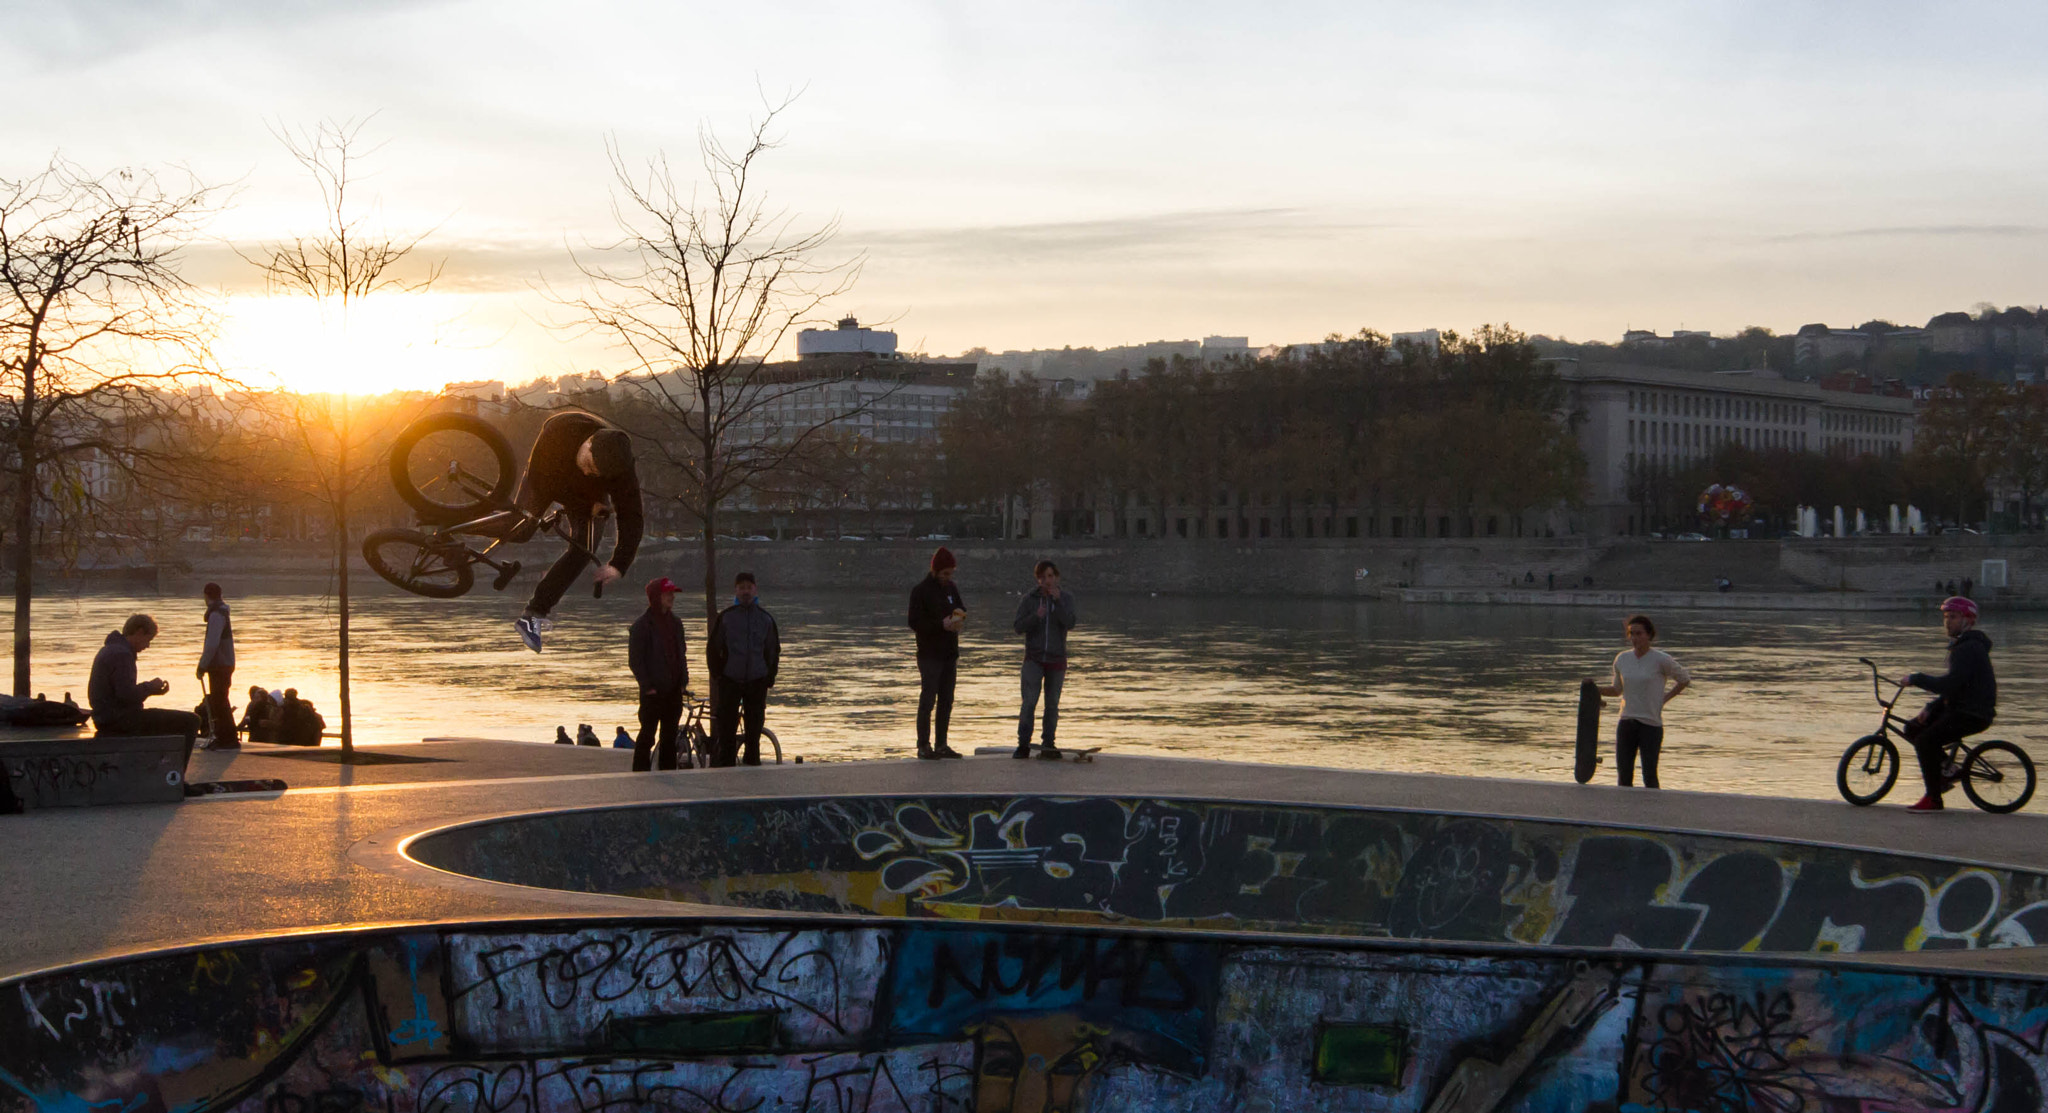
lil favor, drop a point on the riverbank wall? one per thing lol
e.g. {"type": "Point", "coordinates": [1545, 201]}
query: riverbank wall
{"type": "Point", "coordinates": [1904, 571]}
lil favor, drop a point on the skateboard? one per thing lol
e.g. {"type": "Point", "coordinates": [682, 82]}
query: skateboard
{"type": "Point", "coordinates": [222, 788]}
{"type": "Point", "coordinates": [1083, 756]}
{"type": "Point", "coordinates": [1588, 756]}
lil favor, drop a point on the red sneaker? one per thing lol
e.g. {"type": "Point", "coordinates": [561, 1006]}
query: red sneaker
{"type": "Point", "coordinates": [1927, 804]}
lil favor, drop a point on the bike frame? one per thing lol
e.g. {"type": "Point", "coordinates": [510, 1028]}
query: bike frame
{"type": "Point", "coordinates": [1894, 726]}
{"type": "Point", "coordinates": [477, 527]}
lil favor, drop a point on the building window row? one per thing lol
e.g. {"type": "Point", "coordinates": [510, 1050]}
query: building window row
{"type": "Point", "coordinates": [1680, 404]}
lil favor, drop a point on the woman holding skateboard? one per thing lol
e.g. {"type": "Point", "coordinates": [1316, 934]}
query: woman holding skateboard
{"type": "Point", "coordinates": [1638, 678]}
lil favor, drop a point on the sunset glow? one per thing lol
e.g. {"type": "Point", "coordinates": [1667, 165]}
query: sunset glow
{"type": "Point", "coordinates": [391, 342]}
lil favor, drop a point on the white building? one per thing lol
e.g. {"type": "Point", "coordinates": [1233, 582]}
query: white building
{"type": "Point", "coordinates": [849, 339]}
{"type": "Point", "coordinates": [1631, 416]}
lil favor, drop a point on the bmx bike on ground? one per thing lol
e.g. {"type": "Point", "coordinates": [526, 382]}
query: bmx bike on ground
{"type": "Point", "coordinates": [694, 740]}
{"type": "Point", "coordinates": [1996, 775]}
{"type": "Point", "coordinates": [456, 472]}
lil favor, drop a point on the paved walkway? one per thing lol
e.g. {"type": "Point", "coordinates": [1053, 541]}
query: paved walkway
{"type": "Point", "coordinates": [93, 882]}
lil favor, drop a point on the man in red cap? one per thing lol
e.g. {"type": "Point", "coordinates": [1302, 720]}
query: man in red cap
{"type": "Point", "coordinates": [655, 650]}
{"type": "Point", "coordinates": [936, 615]}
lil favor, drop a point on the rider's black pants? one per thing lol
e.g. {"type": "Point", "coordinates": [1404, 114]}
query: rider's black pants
{"type": "Point", "coordinates": [660, 714]}
{"type": "Point", "coordinates": [1932, 739]}
{"type": "Point", "coordinates": [729, 699]}
{"type": "Point", "coordinates": [556, 583]}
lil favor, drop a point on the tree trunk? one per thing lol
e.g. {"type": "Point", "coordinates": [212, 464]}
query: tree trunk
{"type": "Point", "coordinates": [710, 565]}
{"type": "Point", "coordinates": [24, 544]}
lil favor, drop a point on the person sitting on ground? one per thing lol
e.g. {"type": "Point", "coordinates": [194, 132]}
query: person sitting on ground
{"type": "Point", "coordinates": [299, 724]}
{"type": "Point", "coordinates": [116, 696]}
{"type": "Point", "coordinates": [1965, 699]}
{"type": "Point", "coordinates": [259, 719]}
{"type": "Point", "coordinates": [584, 464]}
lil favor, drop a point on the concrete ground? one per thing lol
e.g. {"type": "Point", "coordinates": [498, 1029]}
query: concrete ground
{"type": "Point", "coordinates": [87, 883]}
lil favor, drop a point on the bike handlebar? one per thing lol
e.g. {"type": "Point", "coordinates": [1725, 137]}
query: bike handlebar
{"type": "Point", "coordinates": [1877, 686]}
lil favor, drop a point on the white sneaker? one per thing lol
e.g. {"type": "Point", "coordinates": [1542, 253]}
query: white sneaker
{"type": "Point", "coordinates": [529, 631]}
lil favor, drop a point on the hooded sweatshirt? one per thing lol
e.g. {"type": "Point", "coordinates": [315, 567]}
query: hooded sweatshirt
{"type": "Point", "coordinates": [220, 639]}
{"type": "Point", "coordinates": [112, 689]}
{"type": "Point", "coordinates": [655, 650]}
{"type": "Point", "coordinates": [1968, 687]}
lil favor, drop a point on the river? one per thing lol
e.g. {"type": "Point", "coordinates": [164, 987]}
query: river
{"type": "Point", "coordinates": [1484, 691]}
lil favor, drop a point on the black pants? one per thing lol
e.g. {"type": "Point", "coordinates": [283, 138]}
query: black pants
{"type": "Point", "coordinates": [154, 720]}
{"type": "Point", "coordinates": [660, 714]}
{"type": "Point", "coordinates": [729, 699]}
{"type": "Point", "coordinates": [220, 682]}
{"type": "Point", "coordinates": [1932, 739]}
{"type": "Point", "coordinates": [1634, 737]}
{"type": "Point", "coordinates": [935, 680]}
{"type": "Point", "coordinates": [562, 573]}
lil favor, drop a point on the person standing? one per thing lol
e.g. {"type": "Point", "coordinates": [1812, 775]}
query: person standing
{"type": "Point", "coordinates": [1043, 616]}
{"type": "Point", "coordinates": [937, 613]}
{"type": "Point", "coordinates": [658, 655]}
{"type": "Point", "coordinates": [744, 650]}
{"type": "Point", "coordinates": [1638, 678]}
{"type": "Point", "coordinates": [116, 696]}
{"type": "Point", "coordinates": [217, 669]}
{"type": "Point", "coordinates": [1965, 699]}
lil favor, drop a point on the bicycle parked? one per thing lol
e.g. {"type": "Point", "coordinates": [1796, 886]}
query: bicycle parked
{"type": "Point", "coordinates": [1995, 774]}
{"type": "Point", "coordinates": [696, 733]}
{"type": "Point", "coordinates": [456, 472]}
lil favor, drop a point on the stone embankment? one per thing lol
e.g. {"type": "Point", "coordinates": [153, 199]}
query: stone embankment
{"type": "Point", "coordinates": [1872, 573]}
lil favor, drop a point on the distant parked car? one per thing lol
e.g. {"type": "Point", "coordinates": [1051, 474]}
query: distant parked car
{"type": "Point", "coordinates": [936, 537]}
{"type": "Point", "coordinates": [851, 537]}
{"type": "Point", "coordinates": [1692, 537]}
{"type": "Point", "coordinates": [760, 537]}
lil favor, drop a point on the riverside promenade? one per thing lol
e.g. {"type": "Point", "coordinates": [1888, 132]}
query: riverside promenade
{"type": "Point", "coordinates": [91, 883]}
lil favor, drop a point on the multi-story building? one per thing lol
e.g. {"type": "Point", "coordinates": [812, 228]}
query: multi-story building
{"type": "Point", "coordinates": [1631, 418]}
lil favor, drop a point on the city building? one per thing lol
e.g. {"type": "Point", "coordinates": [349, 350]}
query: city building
{"type": "Point", "coordinates": [1631, 417]}
{"type": "Point", "coordinates": [849, 339]}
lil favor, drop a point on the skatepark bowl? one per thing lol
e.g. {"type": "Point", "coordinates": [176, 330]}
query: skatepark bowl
{"type": "Point", "coordinates": [998, 953]}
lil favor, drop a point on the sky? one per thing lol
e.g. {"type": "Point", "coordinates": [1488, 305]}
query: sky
{"type": "Point", "coordinates": [1031, 176]}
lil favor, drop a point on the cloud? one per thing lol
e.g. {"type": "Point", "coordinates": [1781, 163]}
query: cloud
{"type": "Point", "coordinates": [1913, 230]}
{"type": "Point", "coordinates": [93, 30]}
{"type": "Point", "coordinates": [1126, 239]}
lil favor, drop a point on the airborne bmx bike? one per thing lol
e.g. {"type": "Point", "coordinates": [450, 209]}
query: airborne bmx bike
{"type": "Point", "coordinates": [455, 470]}
{"type": "Point", "coordinates": [1996, 775]}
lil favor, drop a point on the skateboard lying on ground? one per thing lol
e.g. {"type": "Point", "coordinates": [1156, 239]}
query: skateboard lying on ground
{"type": "Point", "coordinates": [1083, 755]}
{"type": "Point", "coordinates": [222, 788]}
{"type": "Point", "coordinates": [1588, 756]}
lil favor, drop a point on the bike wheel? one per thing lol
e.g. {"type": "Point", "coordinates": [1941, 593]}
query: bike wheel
{"type": "Point", "coordinates": [700, 747]}
{"type": "Point", "coordinates": [768, 736]}
{"type": "Point", "coordinates": [451, 467]}
{"type": "Point", "coordinates": [409, 559]}
{"type": "Point", "coordinates": [1998, 777]}
{"type": "Point", "coordinates": [1869, 768]}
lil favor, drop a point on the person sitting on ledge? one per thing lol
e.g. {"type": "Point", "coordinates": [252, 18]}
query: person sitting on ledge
{"type": "Point", "coordinates": [259, 719]}
{"type": "Point", "coordinates": [116, 696]}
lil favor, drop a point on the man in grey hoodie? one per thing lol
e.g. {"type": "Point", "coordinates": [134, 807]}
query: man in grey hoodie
{"type": "Point", "coordinates": [1043, 616]}
{"type": "Point", "coordinates": [116, 696]}
{"type": "Point", "coordinates": [217, 668]}
{"type": "Point", "coordinates": [744, 650]}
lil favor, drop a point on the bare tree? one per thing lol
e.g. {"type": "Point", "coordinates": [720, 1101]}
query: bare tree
{"type": "Point", "coordinates": [97, 331]}
{"type": "Point", "coordinates": [347, 261]}
{"type": "Point", "coordinates": [713, 286]}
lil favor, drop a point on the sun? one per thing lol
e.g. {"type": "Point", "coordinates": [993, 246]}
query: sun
{"type": "Point", "coordinates": [394, 341]}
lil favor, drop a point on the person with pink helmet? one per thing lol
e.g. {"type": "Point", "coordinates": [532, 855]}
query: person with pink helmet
{"type": "Point", "coordinates": [1965, 699]}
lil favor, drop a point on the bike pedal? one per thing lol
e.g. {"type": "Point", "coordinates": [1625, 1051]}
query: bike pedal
{"type": "Point", "coordinates": [505, 575]}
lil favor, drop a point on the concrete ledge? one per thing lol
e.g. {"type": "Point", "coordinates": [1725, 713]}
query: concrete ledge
{"type": "Point", "coordinates": [89, 770]}
{"type": "Point", "coordinates": [1673, 600]}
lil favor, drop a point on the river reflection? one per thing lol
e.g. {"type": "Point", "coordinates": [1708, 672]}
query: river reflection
{"type": "Point", "coordinates": [1470, 690]}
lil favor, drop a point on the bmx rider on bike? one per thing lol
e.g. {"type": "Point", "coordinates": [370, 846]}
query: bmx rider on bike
{"type": "Point", "coordinates": [584, 464]}
{"type": "Point", "coordinates": [1965, 698]}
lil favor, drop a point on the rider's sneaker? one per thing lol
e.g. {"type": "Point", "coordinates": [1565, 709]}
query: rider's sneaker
{"type": "Point", "coordinates": [944, 750]}
{"type": "Point", "coordinates": [529, 631]}
{"type": "Point", "coordinates": [1927, 804]}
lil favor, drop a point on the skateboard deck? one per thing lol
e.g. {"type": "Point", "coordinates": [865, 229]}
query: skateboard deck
{"type": "Point", "coordinates": [1588, 755]}
{"type": "Point", "coordinates": [1082, 755]}
{"type": "Point", "coordinates": [222, 788]}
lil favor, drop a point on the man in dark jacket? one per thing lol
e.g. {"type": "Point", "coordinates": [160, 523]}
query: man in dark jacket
{"type": "Point", "coordinates": [936, 615]}
{"type": "Point", "coordinates": [116, 696]}
{"type": "Point", "coordinates": [659, 658]}
{"type": "Point", "coordinates": [1044, 616]}
{"type": "Point", "coordinates": [744, 649]}
{"type": "Point", "coordinates": [583, 464]}
{"type": "Point", "coordinates": [1965, 698]}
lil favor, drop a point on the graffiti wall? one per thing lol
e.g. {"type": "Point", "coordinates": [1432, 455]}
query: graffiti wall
{"type": "Point", "coordinates": [1259, 867]}
{"type": "Point", "coordinates": [932, 1016]}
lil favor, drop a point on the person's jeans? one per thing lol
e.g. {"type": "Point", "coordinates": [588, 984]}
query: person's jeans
{"type": "Point", "coordinates": [661, 715]}
{"type": "Point", "coordinates": [1035, 676]}
{"type": "Point", "coordinates": [1931, 740]}
{"type": "Point", "coordinates": [153, 720]}
{"type": "Point", "coordinates": [935, 681]}
{"type": "Point", "coordinates": [1634, 737]}
{"type": "Point", "coordinates": [562, 573]}
{"type": "Point", "coordinates": [220, 682]}
{"type": "Point", "coordinates": [730, 699]}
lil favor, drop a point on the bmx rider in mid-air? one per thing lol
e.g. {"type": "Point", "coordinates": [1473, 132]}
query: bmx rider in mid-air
{"type": "Point", "coordinates": [584, 464]}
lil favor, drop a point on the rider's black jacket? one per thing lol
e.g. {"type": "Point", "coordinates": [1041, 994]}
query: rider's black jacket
{"type": "Point", "coordinates": [1968, 687]}
{"type": "Point", "coordinates": [553, 477]}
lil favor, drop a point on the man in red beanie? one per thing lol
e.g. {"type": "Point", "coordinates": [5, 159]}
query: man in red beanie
{"type": "Point", "coordinates": [936, 615]}
{"type": "Point", "coordinates": [655, 650]}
